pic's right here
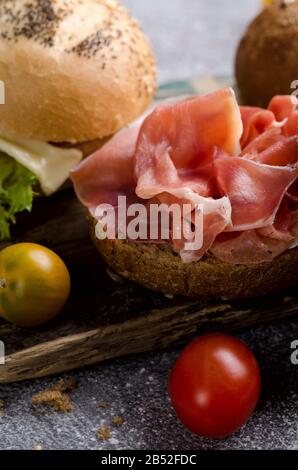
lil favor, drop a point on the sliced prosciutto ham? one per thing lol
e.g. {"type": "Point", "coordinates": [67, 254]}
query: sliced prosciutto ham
{"type": "Point", "coordinates": [174, 155]}
{"type": "Point", "coordinates": [248, 247]}
{"type": "Point", "coordinates": [255, 190]}
{"type": "Point", "coordinates": [109, 172]}
{"type": "Point", "coordinates": [255, 122]}
{"type": "Point", "coordinates": [281, 153]}
{"type": "Point", "coordinates": [238, 165]}
{"type": "Point", "coordinates": [281, 113]}
{"type": "Point", "coordinates": [285, 110]}
{"type": "Point", "coordinates": [176, 143]}
{"type": "Point", "coordinates": [280, 228]}
{"type": "Point", "coordinates": [272, 148]}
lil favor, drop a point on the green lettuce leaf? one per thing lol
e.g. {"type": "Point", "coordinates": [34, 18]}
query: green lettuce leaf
{"type": "Point", "coordinates": [16, 192]}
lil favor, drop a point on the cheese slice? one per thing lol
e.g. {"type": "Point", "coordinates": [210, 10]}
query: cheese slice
{"type": "Point", "coordinates": [50, 164]}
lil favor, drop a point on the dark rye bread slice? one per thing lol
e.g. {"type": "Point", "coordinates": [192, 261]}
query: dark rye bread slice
{"type": "Point", "coordinates": [158, 268]}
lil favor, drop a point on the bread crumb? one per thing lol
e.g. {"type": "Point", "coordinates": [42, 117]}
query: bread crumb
{"type": "Point", "coordinates": [1, 408]}
{"type": "Point", "coordinates": [104, 433]}
{"type": "Point", "coordinates": [117, 421]}
{"type": "Point", "coordinates": [66, 385]}
{"type": "Point", "coordinates": [56, 397]}
{"type": "Point", "coordinates": [102, 404]}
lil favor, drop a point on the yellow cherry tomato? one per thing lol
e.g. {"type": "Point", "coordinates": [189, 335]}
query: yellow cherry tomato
{"type": "Point", "coordinates": [34, 284]}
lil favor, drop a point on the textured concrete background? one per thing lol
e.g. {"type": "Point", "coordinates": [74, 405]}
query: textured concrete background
{"type": "Point", "coordinates": [193, 37]}
{"type": "Point", "coordinates": [190, 37]}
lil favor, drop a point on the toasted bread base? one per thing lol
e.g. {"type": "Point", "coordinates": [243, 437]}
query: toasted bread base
{"type": "Point", "coordinates": [158, 268]}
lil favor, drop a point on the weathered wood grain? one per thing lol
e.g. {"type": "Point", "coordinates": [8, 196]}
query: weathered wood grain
{"type": "Point", "coordinates": [155, 330]}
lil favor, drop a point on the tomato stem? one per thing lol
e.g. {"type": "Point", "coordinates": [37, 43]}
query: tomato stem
{"type": "Point", "coordinates": [2, 283]}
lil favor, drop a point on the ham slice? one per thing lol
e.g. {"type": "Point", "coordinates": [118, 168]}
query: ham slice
{"type": "Point", "coordinates": [283, 106]}
{"type": "Point", "coordinates": [237, 165]}
{"type": "Point", "coordinates": [262, 245]}
{"type": "Point", "coordinates": [282, 153]}
{"type": "Point", "coordinates": [255, 190]}
{"type": "Point", "coordinates": [262, 142]}
{"type": "Point", "coordinates": [285, 110]}
{"type": "Point", "coordinates": [293, 192]}
{"type": "Point", "coordinates": [291, 128]}
{"type": "Point", "coordinates": [281, 227]}
{"type": "Point", "coordinates": [281, 113]}
{"type": "Point", "coordinates": [247, 248]}
{"type": "Point", "coordinates": [176, 143]}
{"type": "Point", "coordinates": [109, 172]}
{"type": "Point", "coordinates": [174, 155]}
{"type": "Point", "coordinates": [255, 122]}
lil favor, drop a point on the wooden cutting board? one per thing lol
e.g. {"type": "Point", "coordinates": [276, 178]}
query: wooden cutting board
{"type": "Point", "coordinates": [105, 316]}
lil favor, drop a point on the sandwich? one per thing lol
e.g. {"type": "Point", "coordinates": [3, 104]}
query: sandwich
{"type": "Point", "coordinates": [73, 73]}
{"type": "Point", "coordinates": [235, 170]}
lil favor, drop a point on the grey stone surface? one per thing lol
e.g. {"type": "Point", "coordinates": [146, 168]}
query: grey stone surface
{"type": "Point", "coordinates": [193, 37]}
{"type": "Point", "coordinates": [190, 37]}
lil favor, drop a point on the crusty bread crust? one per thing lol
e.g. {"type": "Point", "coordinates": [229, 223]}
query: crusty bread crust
{"type": "Point", "coordinates": [73, 71]}
{"type": "Point", "coordinates": [158, 268]}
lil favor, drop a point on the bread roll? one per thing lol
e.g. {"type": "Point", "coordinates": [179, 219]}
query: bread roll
{"type": "Point", "coordinates": [158, 268]}
{"type": "Point", "coordinates": [267, 59]}
{"type": "Point", "coordinates": [73, 70]}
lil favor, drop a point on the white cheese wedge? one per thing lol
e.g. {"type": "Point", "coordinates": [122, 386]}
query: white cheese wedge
{"type": "Point", "coordinates": [50, 164]}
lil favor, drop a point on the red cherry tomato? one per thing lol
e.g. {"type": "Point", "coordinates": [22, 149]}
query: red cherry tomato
{"type": "Point", "coordinates": [215, 385]}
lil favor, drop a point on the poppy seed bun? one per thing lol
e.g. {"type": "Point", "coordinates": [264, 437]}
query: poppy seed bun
{"type": "Point", "coordinates": [158, 268]}
{"type": "Point", "coordinates": [267, 58]}
{"type": "Point", "coordinates": [74, 71]}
